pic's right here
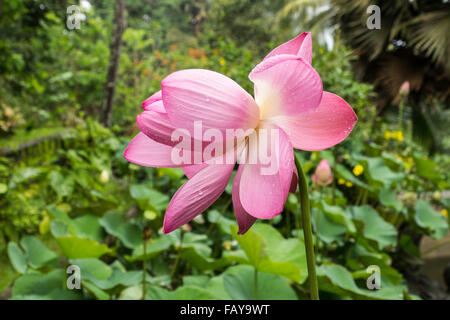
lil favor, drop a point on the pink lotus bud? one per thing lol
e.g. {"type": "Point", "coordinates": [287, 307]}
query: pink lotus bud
{"type": "Point", "coordinates": [322, 176]}
{"type": "Point", "coordinates": [404, 89]}
{"type": "Point", "coordinates": [187, 227]}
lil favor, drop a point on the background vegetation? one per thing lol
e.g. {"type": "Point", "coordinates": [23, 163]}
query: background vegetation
{"type": "Point", "coordinates": [67, 195]}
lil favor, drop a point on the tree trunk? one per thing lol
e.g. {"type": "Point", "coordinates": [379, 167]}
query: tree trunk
{"type": "Point", "coordinates": [115, 49]}
{"type": "Point", "coordinates": [1, 11]}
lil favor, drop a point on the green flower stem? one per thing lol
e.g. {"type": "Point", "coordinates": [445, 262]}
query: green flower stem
{"type": "Point", "coordinates": [255, 285]}
{"type": "Point", "coordinates": [177, 259]}
{"type": "Point", "coordinates": [317, 226]}
{"type": "Point", "coordinates": [144, 267]}
{"type": "Point", "coordinates": [362, 274]}
{"type": "Point", "coordinates": [307, 231]}
{"type": "Point", "coordinates": [400, 113]}
{"type": "Point", "coordinates": [288, 224]}
{"type": "Point", "coordinates": [333, 202]}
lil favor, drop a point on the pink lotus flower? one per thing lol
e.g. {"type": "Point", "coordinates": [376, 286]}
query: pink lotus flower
{"type": "Point", "coordinates": [288, 97]}
{"type": "Point", "coordinates": [322, 176]}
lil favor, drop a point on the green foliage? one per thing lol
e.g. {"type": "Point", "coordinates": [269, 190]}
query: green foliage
{"type": "Point", "coordinates": [267, 251]}
{"type": "Point", "coordinates": [68, 197]}
{"type": "Point", "coordinates": [241, 286]}
{"type": "Point", "coordinates": [42, 287]}
{"type": "Point", "coordinates": [375, 228]}
{"type": "Point", "coordinates": [115, 224]}
{"type": "Point", "coordinates": [338, 280]}
{"type": "Point", "coordinates": [433, 222]}
{"type": "Point", "coordinates": [17, 257]}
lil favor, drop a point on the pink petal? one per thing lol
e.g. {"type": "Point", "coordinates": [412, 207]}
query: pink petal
{"type": "Point", "coordinates": [207, 96]}
{"type": "Point", "coordinates": [156, 106]}
{"type": "Point", "coordinates": [196, 195]}
{"type": "Point", "coordinates": [191, 170]}
{"type": "Point", "coordinates": [157, 126]}
{"type": "Point", "coordinates": [244, 220]}
{"type": "Point", "coordinates": [228, 156]}
{"type": "Point", "coordinates": [323, 128]}
{"type": "Point", "coordinates": [149, 101]}
{"type": "Point", "coordinates": [146, 152]}
{"type": "Point", "coordinates": [294, 181]}
{"type": "Point", "coordinates": [299, 46]}
{"type": "Point", "coordinates": [263, 195]}
{"type": "Point", "coordinates": [286, 85]}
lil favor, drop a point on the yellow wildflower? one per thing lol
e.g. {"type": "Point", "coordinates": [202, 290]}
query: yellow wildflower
{"type": "Point", "coordinates": [227, 245]}
{"type": "Point", "coordinates": [341, 181]}
{"type": "Point", "coordinates": [358, 170]}
{"type": "Point", "coordinates": [444, 213]}
{"type": "Point", "coordinates": [222, 61]}
{"type": "Point", "coordinates": [410, 160]}
{"type": "Point", "coordinates": [44, 226]}
{"type": "Point", "coordinates": [348, 184]}
{"type": "Point", "coordinates": [407, 165]}
{"type": "Point", "coordinates": [104, 176]}
{"type": "Point", "coordinates": [150, 215]}
{"type": "Point", "coordinates": [436, 195]}
{"type": "Point", "coordinates": [397, 135]}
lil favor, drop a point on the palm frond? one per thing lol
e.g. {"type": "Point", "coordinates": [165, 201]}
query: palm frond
{"type": "Point", "coordinates": [430, 34]}
{"type": "Point", "coordinates": [299, 7]}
